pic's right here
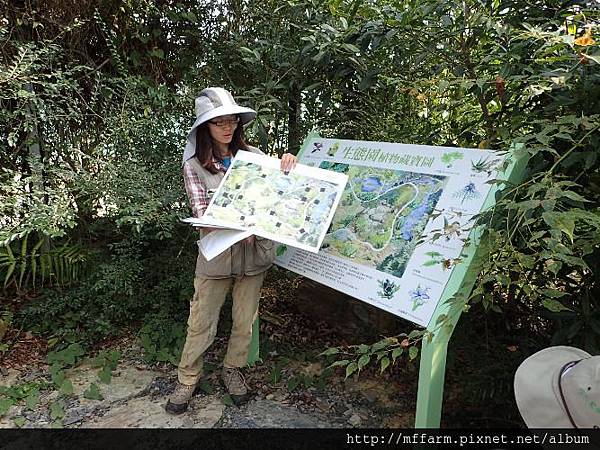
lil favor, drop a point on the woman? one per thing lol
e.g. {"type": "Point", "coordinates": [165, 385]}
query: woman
{"type": "Point", "coordinates": [216, 137]}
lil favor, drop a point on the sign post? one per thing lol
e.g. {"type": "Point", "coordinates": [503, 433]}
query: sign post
{"type": "Point", "coordinates": [433, 353]}
{"type": "Point", "coordinates": [397, 240]}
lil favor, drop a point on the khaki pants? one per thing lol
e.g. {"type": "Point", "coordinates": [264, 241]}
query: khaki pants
{"type": "Point", "coordinates": [205, 306]}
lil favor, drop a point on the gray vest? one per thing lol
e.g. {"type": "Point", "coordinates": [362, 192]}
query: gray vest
{"type": "Point", "coordinates": [240, 259]}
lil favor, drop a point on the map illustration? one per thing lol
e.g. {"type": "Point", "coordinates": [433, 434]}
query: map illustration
{"type": "Point", "coordinates": [381, 215]}
{"type": "Point", "coordinates": [261, 198]}
{"type": "Point", "coordinates": [402, 221]}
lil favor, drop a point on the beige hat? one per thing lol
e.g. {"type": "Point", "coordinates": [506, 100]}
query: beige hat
{"type": "Point", "coordinates": [559, 387]}
{"type": "Point", "coordinates": [214, 102]}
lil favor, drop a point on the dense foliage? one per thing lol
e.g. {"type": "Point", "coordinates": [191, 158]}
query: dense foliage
{"type": "Point", "coordinates": [96, 97]}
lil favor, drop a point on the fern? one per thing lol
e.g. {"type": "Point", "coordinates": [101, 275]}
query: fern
{"type": "Point", "coordinates": [41, 263]}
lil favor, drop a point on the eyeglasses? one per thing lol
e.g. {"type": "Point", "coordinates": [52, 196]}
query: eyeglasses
{"type": "Point", "coordinates": [225, 123]}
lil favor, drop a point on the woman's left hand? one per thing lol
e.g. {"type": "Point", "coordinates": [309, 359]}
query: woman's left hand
{"type": "Point", "coordinates": [288, 162]}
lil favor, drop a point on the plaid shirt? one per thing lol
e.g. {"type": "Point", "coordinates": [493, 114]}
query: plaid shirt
{"type": "Point", "coordinates": [196, 192]}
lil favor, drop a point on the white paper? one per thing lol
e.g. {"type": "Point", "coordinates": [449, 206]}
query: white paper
{"type": "Point", "coordinates": [202, 222]}
{"type": "Point", "coordinates": [294, 209]}
{"type": "Point", "coordinates": [216, 242]}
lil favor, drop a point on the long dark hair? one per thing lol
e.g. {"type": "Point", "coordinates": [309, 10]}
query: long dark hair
{"type": "Point", "coordinates": [207, 151]}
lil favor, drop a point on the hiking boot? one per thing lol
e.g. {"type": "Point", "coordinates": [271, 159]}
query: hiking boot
{"type": "Point", "coordinates": [236, 386]}
{"type": "Point", "coordinates": [180, 398]}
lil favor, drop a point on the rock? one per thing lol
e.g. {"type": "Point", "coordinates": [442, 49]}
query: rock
{"type": "Point", "coordinates": [75, 415]}
{"type": "Point", "coordinates": [6, 421]}
{"type": "Point", "coordinates": [279, 396]}
{"type": "Point", "coordinates": [9, 377]}
{"type": "Point", "coordinates": [313, 369]}
{"type": "Point", "coordinates": [270, 396]}
{"type": "Point", "coordinates": [125, 383]}
{"type": "Point", "coordinates": [270, 414]}
{"type": "Point", "coordinates": [355, 420]}
{"type": "Point", "coordinates": [322, 405]}
{"type": "Point", "coordinates": [150, 413]}
{"type": "Point", "coordinates": [373, 390]}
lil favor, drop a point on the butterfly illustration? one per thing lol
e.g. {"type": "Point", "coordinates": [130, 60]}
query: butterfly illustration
{"type": "Point", "coordinates": [318, 147]}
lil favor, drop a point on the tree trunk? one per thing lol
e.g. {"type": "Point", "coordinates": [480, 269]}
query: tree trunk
{"type": "Point", "coordinates": [293, 120]}
{"type": "Point", "coordinates": [35, 149]}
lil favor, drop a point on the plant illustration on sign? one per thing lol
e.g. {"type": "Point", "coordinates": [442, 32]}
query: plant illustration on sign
{"type": "Point", "coordinates": [469, 192]}
{"type": "Point", "coordinates": [437, 258]}
{"type": "Point", "coordinates": [388, 289]}
{"type": "Point", "coordinates": [333, 150]}
{"type": "Point", "coordinates": [434, 258]}
{"type": "Point", "coordinates": [449, 158]}
{"type": "Point", "coordinates": [484, 165]}
{"type": "Point", "coordinates": [451, 229]}
{"type": "Point", "coordinates": [419, 296]}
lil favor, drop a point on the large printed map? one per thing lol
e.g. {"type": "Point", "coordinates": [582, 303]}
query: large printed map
{"type": "Point", "coordinates": [381, 215]}
{"type": "Point", "coordinates": [294, 208]}
{"type": "Point", "coordinates": [402, 221]}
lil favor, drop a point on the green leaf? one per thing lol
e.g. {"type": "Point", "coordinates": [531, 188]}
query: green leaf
{"type": "Point", "coordinates": [93, 392]}
{"type": "Point", "coordinates": [413, 352]}
{"type": "Point", "coordinates": [5, 404]}
{"type": "Point", "coordinates": [554, 305]}
{"type": "Point", "coordinates": [351, 48]}
{"type": "Point", "coordinates": [554, 266]}
{"type": "Point", "coordinates": [381, 354]}
{"type": "Point", "coordinates": [32, 399]}
{"type": "Point", "coordinates": [113, 357]}
{"type": "Point", "coordinates": [20, 421]}
{"type": "Point", "coordinates": [57, 410]}
{"type": "Point", "coordinates": [66, 387]}
{"type": "Point", "coordinates": [397, 352]}
{"type": "Point", "coordinates": [206, 387]}
{"type": "Point", "coordinates": [341, 362]}
{"type": "Point", "coordinates": [554, 293]}
{"type": "Point", "coordinates": [415, 334]}
{"type": "Point", "coordinates": [574, 196]}
{"type": "Point", "coordinates": [330, 351]}
{"type": "Point", "coordinates": [281, 249]}
{"type": "Point", "coordinates": [227, 400]}
{"type": "Point", "coordinates": [105, 375]}
{"type": "Point", "coordinates": [293, 383]}
{"type": "Point", "coordinates": [363, 361]}
{"type": "Point", "coordinates": [351, 368]}
{"type": "Point", "coordinates": [57, 374]}
{"type": "Point", "coordinates": [385, 362]}
{"type": "Point", "coordinates": [566, 225]}
{"type": "Point", "coordinates": [158, 53]}
{"type": "Point", "coordinates": [380, 344]}
{"type": "Point", "coordinates": [363, 348]}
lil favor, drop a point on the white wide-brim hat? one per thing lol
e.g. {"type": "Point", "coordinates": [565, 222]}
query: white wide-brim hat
{"type": "Point", "coordinates": [214, 102]}
{"type": "Point", "coordinates": [558, 382]}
